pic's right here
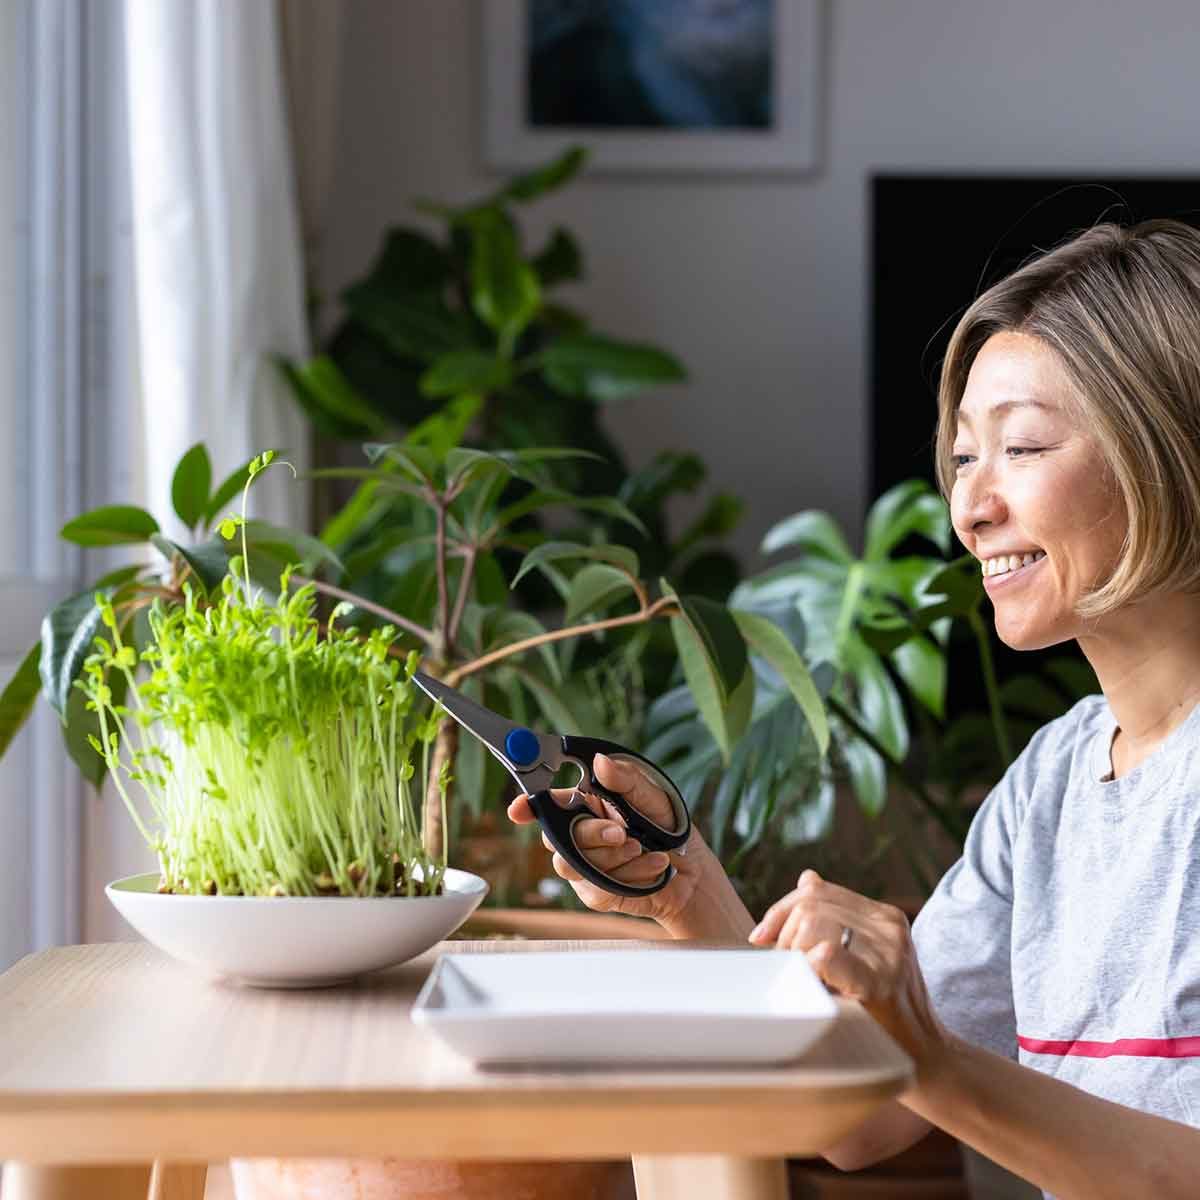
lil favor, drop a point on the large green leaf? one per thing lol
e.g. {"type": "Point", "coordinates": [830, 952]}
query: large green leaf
{"type": "Point", "coordinates": [593, 589]}
{"type": "Point", "coordinates": [191, 484]}
{"type": "Point", "coordinates": [880, 708]}
{"type": "Point", "coordinates": [704, 680]}
{"type": "Point", "coordinates": [766, 639]}
{"type": "Point", "coordinates": [466, 371]}
{"type": "Point", "coordinates": [922, 666]}
{"type": "Point", "coordinates": [618, 556]}
{"type": "Point", "coordinates": [411, 262]}
{"type": "Point", "coordinates": [330, 400]}
{"type": "Point", "coordinates": [112, 525]}
{"type": "Point", "coordinates": [561, 261]}
{"type": "Point", "coordinates": [413, 325]}
{"type": "Point", "coordinates": [813, 532]}
{"type": "Point", "coordinates": [909, 507]}
{"type": "Point", "coordinates": [16, 701]}
{"type": "Point", "coordinates": [719, 634]}
{"type": "Point", "coordinates": [546, 179]}
{"type": "Point", "coordinates": [209, 561]}
{"type": "Point", "coordinates": [68, 630]}
{"type": "Point", "coordinates": [740, 707]}
{"type": "Point", "coordinates": [868, 775]}
{"type": "Point", "coordinates": [605, 369]}
{"type": "Point", "coordinates": [505, 292]}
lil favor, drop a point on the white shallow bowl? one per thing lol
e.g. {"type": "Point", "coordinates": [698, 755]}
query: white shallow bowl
{"type": "Point", "coordinates": [294, 941]}
{"type": "Point", "coordinates": [626, 1006]}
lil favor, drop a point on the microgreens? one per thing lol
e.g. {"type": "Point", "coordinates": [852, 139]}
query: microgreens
{"type": "Point", "coordinates": [276, 755]}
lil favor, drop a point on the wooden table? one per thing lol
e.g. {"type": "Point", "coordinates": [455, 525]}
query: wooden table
{"type": "Point", "coordinates": [114, 1054]}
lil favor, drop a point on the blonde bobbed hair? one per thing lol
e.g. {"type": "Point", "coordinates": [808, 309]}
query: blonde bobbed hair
{"type": "Point", "coordinates": [1121, 309]}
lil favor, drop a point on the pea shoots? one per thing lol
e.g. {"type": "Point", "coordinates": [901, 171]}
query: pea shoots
{"type": "Point", "coordinates": [276, 755]}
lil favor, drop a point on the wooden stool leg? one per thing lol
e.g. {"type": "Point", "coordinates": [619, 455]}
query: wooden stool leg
{"type": "Point", "coordinates": [177, 1181]}
{"type": "Point", "coordinates": [714, 1177]}
{"type": "Point", "coordinates": [25, 1182]}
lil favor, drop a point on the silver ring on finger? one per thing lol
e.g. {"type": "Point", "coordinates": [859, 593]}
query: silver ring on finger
{"type": "Point", "coordinates": [847, 937]}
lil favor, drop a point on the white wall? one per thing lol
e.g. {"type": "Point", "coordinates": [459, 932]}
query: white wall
{"type": "Point", "coordinates": [760, 284]}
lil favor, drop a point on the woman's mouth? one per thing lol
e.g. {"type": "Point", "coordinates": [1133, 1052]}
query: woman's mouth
{"type": "Point", "coordinates": [1007, 569]}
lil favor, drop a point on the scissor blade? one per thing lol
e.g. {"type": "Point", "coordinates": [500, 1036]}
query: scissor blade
{"type": "Point", "coordinates": [489, 727]}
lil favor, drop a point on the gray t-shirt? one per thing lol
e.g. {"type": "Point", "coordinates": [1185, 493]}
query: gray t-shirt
{"type": "Point", "coordinates": [1067, 936]}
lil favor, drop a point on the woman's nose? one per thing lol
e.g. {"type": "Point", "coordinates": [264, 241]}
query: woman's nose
{"type": "Point", "coordinates": [976, 502]}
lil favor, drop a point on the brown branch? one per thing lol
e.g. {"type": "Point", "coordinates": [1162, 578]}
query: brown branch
{"type": "Point", "coordinates": [441, 633]}
{"type": "Point", "coordinates": [659, 608]}
{"type": "Point", "coordinates": [460, 601]}
{"type": "Point", "coordinates": [328, 589]}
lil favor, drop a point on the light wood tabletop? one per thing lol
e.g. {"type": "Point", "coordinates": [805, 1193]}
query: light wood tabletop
{"type": "Point", "coordinates": [115, 1054]}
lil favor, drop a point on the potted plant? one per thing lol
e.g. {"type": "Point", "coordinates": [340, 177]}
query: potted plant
{"type": "Point", "coordinates": [477, 638]}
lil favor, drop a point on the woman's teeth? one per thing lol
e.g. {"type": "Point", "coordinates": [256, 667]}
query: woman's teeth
{"type": "Point", "coordinates": [1010, 562]}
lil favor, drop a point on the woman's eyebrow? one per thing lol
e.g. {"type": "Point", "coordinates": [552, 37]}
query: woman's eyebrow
{"type": "Point", "coordinates": [1004, 406]}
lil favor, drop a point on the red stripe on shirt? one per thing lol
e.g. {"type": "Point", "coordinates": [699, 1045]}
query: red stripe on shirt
{"type": "Point", "coordinates": [1179, 1047]}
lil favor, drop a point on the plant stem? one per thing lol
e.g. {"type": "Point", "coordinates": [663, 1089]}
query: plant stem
{"type": "Point", "coordinates": [464, 590]}
{"type": "Point", "coordinates": [999, 724]}
{"type": "Point", "coordinates": [442, 630]}
{"type": "Point", "coordinates": [661, 607]}
{"type": "Point", "coordinates": [328, 589]}
{"type": "Point", "coordinates": [433, 830]}
{"type": "Point", "coordinates": [935, 810]}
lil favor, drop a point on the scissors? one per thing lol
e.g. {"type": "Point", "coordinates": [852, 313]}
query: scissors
{"type": "Point", "coordinates": [532, 760]}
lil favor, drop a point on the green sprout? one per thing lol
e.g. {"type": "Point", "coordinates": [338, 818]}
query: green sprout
{"type": "Point", "coordinates": [275, 755]}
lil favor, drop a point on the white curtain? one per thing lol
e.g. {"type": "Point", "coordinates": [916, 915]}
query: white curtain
{"type": "Point", "coordinates": [218, 268]}
{"type": "Point", "coordinates": [150, 248]}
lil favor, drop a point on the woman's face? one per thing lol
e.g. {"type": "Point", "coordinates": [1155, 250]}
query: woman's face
{"type": "Point", "coordinates": [1033, 499]}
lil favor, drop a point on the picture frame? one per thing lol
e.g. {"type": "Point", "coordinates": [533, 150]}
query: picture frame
{"type": "Point", "coordinates": [786, 143]}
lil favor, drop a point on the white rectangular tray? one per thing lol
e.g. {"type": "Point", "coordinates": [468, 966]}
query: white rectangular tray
{"type": "Point", "coordinates": [626, 1006]}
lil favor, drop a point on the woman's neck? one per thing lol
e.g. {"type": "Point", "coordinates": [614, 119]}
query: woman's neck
{"type": "Point", "coordinates": [1147, 660]}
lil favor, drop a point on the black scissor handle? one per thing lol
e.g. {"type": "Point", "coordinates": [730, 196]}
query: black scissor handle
{"type": "Point", "coordinates": [651, 835]}
{"type": "Point", "coordinates": [558, 823]}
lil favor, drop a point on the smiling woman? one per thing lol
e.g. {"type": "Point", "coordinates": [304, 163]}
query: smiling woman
{"type": "Point", "coordinates": [1049, 991]}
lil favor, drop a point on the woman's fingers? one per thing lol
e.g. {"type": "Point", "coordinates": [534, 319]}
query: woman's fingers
{"type": "Point", "coordinates": [619, 775]}
{"type": "Point", "coordinates": [638, 872]}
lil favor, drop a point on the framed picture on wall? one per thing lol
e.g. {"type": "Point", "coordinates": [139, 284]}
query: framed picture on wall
{"type": "Point", "coordinates": [652, 85]}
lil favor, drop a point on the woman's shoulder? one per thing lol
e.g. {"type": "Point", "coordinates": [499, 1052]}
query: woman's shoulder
{"type": "Point", "coordinates": [1058, 752]}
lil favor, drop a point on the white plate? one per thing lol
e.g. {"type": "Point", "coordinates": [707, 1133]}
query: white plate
{"type": "Point", "coordinates": [626, 1006]}
{"type": "Point", "coordinates": [294, 941]}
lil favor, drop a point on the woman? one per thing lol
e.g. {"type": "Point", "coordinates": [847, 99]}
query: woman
{"type": "Point", "coordinates": [1049, 992]}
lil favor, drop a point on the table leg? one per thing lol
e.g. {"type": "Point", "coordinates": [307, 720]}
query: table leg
{"type": "Point", "coordinates": [23, 1181]}
{"type": "Point", "coordinates": [177, 1181]}
{"type": "Point", "coordinates": [715, 1177]}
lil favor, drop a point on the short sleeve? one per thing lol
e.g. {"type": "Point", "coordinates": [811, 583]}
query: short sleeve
{"type": "Point", "coordinates": [963, 934]}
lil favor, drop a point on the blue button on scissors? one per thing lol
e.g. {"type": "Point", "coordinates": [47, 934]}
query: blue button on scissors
{"type": "Point", "coordinates": [532, 760]}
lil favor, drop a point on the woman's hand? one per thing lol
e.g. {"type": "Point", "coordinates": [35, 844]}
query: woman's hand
{"type": "Point", "coordinates": [878, 967]}
{"type": "Point", "coordinates": [606, 845]}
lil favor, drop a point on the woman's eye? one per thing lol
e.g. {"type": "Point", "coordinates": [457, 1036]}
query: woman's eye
{"type": "Point", "coordinates": [959, 460]}
{"type": "Point", "coordinates": [1016, 451]}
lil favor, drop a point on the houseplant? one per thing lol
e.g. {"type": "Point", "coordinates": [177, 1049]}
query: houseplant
{"type": "Point", "coordinates": [467, 314]}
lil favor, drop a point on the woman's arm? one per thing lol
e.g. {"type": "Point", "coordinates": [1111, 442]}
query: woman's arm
{"type": "Point", "coordinates": [1060, 1138]}
{"type": "Point", "coordinates": [1055, 1135]}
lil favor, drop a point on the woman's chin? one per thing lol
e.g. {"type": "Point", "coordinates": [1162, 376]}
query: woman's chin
{"type": "Point", "coordinates": [1024, 636]}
